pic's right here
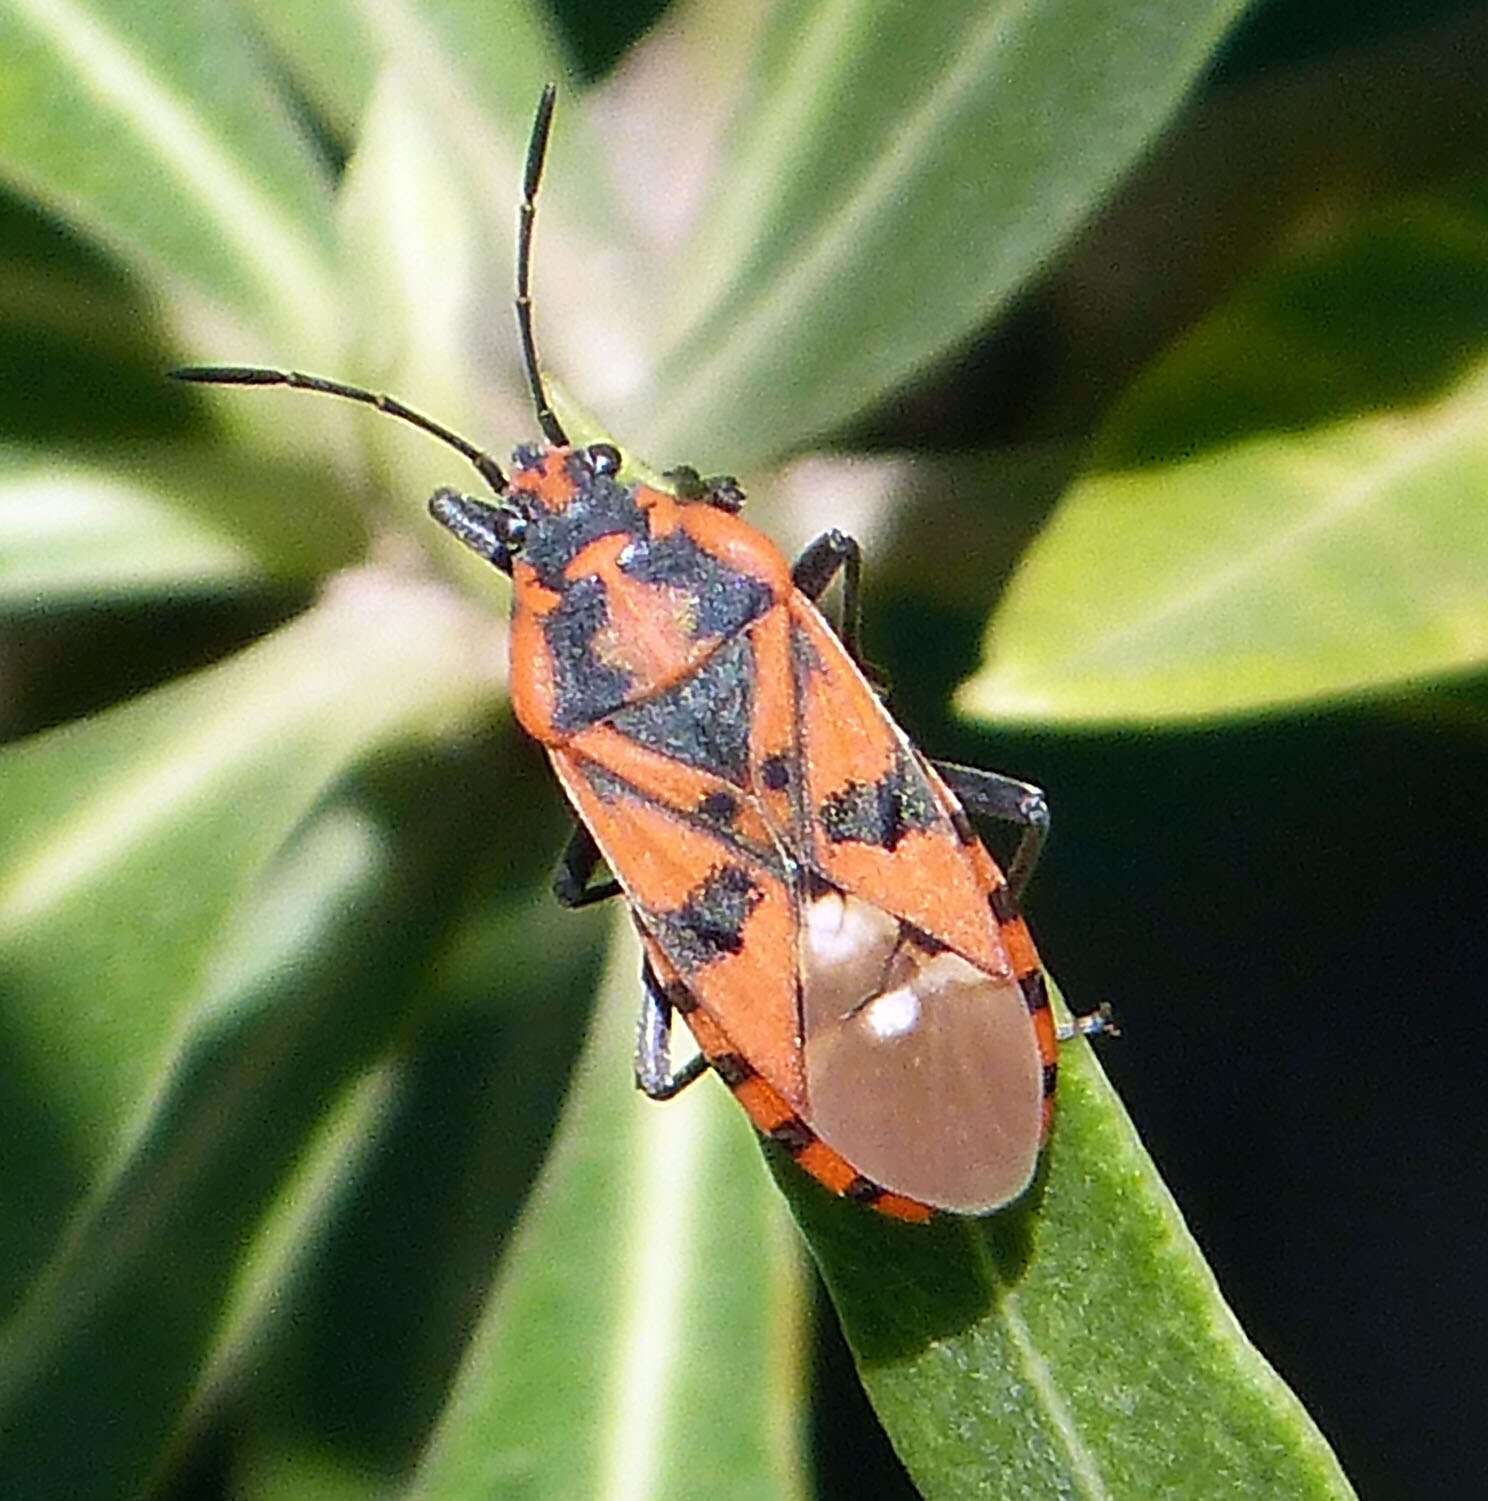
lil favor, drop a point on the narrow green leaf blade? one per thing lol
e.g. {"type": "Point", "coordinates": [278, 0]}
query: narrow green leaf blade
{"type": "Point", "coordinates": [494, 52]}
{"type": "Point", "coordinates": [1074, 1345]}
{"type": "Point", "coordinates": [357, 1309]}
{"type": "Point", "coordinates": [895, 176]}
{"type": "Point", "coordinates": [130, 837]}
{"type": "Point", "coordinates": [185, 523]}
{"type": "Point", "coordinates": [651, 1270]}
{"type": "Point", "coordinates": [1290, 505]}
{"type": "Point", "coordinates": [419, 256]}
{"type": "Point", "coordinates": [154, 128]}
{"type": "Point", "coordinates": [307, 985]}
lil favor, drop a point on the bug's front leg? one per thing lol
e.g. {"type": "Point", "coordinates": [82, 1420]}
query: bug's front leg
{"type": "Point", "coordinates": [832, 553]}
{"type": "Point", "coordinates": [988, 794]}
{"type": "Point", "coordinates": [580, 860]}
{"type": "Point", "coordinates": [653, 1055]}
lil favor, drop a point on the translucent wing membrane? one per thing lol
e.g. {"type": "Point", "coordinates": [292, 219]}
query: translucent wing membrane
{"type": "Point", "coordinates": [919, 1065]}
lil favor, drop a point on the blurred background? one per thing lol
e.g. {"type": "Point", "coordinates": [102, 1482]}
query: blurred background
{"type": "Point", "coordinates": [1286, 909]}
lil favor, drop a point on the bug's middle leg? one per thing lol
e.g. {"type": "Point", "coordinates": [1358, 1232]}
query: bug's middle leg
{"type": "Point", "coordinates": [653, 1055]}
{"type": "Point", "coordinates": [576, 868]}
{"type": "Point", "coordinates": [989, 794]}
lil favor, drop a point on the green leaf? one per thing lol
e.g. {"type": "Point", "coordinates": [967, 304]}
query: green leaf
{"type": "Point", "coordinates": [895, 176]}
{"type": "Point", "coordinates": [1073, 1345]}
{"type": "Point", "coordinates": [416, 251]}
{"type": "Point", "coordinates": [178, 525]}
{"type": "Point", "coordinates": [130, 837]}
{"type": "Point", "coordinates": [651, 1270]}
{"type": "Point", "coordinates": [328, 49]}
{"type": "Point", "coordinates": [350, 1319]}
{"type": "Point", "coordinates": [67, 535]}
{"type": "Point", "coordinates": [1290, 504]}
{"type": "Point", "coordinates": [155, 129]}
{"type": "Point", "coordinates": [493, 54]}
{"type": "Point", "coordinates": [308, 983]}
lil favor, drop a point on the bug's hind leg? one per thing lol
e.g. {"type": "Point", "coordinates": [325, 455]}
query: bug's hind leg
{"type": "Point", "coordinates": [576, 868]}
{"type": "Point", "coordinates": [1098, 1023]}
{"type": "Point", "coordinates": [653, 1055]}
{"type": "Point", "coordinates": [988, 794]}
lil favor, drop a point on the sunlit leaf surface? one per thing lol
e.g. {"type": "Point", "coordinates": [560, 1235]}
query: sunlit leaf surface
{"type": "Point", "coordinates": [651, 1298]}
{"type": "Point", "coordinates": [1288, 508]}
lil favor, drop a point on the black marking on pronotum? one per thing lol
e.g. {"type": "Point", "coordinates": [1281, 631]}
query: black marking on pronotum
{"type": "Point", "coordinates": [703, 719]}
{"type": "Point", "coordinates": [585, 688]}
{"type": "Point", "coordinates": [679, 997]}
{"type": "Point", "coordinates": [600, 506]}
{"type": "Point", "coordinates": [792, 1134]}
{"type": "Point", "coordinates": [1051, 1077]}
{"type": "Point", "coordinates": [732, 1068]}
{"type": "Point", "coordinates": [1035, 991]}
{"type": "Point", "coordinates": [710, 923]}
{"type": "Point", "coordinates": [863, 1190]}
{"type": "Point", "coordinates": [723, 600]}
{"type": "Point", "coordinates": [1000, 900]}
{"type": "Point", "coordinates": [881, 812]}
{"type": "Point", "coordinates": [775, 771]}
{"type": "Point", "coordinates": [719, 807]}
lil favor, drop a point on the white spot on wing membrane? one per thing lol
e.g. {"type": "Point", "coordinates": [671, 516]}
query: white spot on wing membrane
{"type": "Point", "coordinates": [921, 1069]}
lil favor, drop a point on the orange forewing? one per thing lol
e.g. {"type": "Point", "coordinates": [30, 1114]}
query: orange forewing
{"type": "Point", "coordinates": [847, 737]}
{"type": "Point", "coordinates": [660, 857]}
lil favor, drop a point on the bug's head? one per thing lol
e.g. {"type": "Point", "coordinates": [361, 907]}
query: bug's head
{"type": "Point", "coordinates": [494, 530]}
{"type": "Point", "coordinates": [556, 500]}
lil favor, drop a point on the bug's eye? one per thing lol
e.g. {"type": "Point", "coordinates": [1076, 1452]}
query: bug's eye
{"type": "Point", "coordinates": [512, 529]}
{"type": "Point", "coordinates": [605, 457]}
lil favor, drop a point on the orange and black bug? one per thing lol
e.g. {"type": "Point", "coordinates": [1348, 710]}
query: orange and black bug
{"type": "Point", "coordinates": [811, 896]}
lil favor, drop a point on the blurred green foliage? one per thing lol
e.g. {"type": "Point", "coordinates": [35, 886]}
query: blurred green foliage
{"type": "Point", "coordinates": [1148, 350]}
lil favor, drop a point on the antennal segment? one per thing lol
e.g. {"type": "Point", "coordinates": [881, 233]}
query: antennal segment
{"type": "Point", "coordinates": [253, 375]}
{"type": "Point", "coordinates": [537, 150]}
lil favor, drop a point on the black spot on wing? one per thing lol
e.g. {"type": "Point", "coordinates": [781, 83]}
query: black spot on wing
{"type": "Point", "coordinates": [775, 771]}
{"type": "Point", "coordinates": [585, 688]}
{"type": "Point", "coordinates": [882, 812]}
{"type": "Point", "coordinates": [863, 1190]}
{"type": "Point", "coordinates": [703, 719]}
{"type": "Point", "coordinates": [732, 1068]}
{"type": "Point", "coordinates": [719, 808]}
{"type": "Point", "coordinates": [710, 923]}
{"type": "Point", "coordinates": [806, 661]}
{"type": "Point", "coordinates": [724, 600]}
{"type": "Point", "coordinates": [793, 1134]}
{"type": "Point", "coordinates": [680, 998]}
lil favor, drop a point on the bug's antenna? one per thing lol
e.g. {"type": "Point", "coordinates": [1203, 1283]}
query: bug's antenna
{"type": "Point", "coordinates": [253, 375]}
{"type": "Point", "coordinates": [537, 150]}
